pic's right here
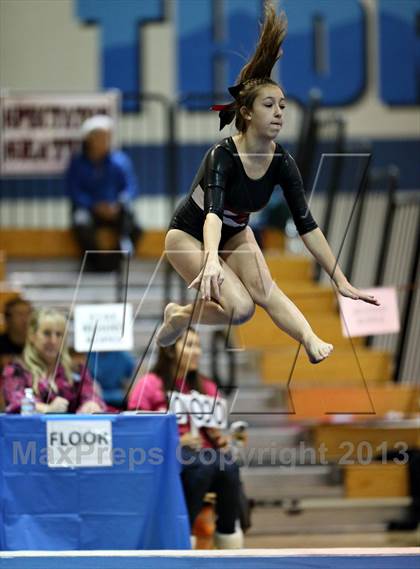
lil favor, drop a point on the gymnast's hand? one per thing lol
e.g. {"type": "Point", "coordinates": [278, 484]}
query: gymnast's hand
{"type": "Point", "coordinates": [209, 280]}
{"type": "Point", "coordinates": [346, 289]}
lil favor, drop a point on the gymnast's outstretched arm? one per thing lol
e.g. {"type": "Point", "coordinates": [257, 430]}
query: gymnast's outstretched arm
{"type": "Point", "coordinates": [211, 276]}
{"type": "Point", "coordinates": [217, 170]}
{"type": "Point", "coordinates": [316, 243]}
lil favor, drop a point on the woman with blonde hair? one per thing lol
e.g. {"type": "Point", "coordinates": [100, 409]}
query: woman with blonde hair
{"type": "Point", "coordinates": [45, 366]}
{"type": "Point", "coordinates": [209, 242]}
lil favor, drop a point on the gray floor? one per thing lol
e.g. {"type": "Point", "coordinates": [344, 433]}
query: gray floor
{"type": "Point", "coordinates": [377, 539]}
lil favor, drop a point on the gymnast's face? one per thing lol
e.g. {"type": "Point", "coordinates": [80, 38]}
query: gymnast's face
{"type": "Point", "coordinates": [266, 116]}
{"type": "Point", "coordinates": [188, 352]}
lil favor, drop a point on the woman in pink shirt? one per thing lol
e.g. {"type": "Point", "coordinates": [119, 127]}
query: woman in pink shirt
{"type": "Point", "coordinates": [45, 366]}
{"type": "Point", "coordinates": [207, 465]}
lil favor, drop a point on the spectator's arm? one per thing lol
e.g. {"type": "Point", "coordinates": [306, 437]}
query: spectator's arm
{"type": "Point", "coordinates": [79, 198]}
{"type": "Point", "coordinates": [147, 394]}
{"type": "Point", "coordinates": [141, 396]}
{"type": "Point", "coordinates": [14, 381]}
{"type": "Point", "coordinates": [129, 187]}
{"type": "Point", "coordinates": [218, 439]}
{"type": "Point", "coordinates": [89, 394]}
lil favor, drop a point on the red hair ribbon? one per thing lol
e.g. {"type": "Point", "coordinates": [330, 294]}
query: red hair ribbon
{"type": "Point", "coordinates": [227, 112]}
{"type": "Point", "coordinates": [221, 107]}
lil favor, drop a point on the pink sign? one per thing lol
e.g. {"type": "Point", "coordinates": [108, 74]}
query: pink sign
{"type": "Point", "coordinates": [359, 318]}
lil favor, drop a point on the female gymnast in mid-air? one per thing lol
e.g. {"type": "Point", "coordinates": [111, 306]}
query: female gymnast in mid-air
{"type": "Point", "coordinates": [209, 242]}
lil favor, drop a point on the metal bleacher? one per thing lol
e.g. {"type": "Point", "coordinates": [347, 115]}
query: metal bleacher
{"type": "Point", "coordinates": [293, 491]}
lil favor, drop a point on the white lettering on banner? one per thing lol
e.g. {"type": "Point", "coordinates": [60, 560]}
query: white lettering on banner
{"type": "Point", "coordinates": [40, 132]}
{"type": "Point", "coordinates": [203, 410]}
{"type": "Point", "coordinates": [110, 321]}
{"type": "Point", "coordinates": [76, 444]}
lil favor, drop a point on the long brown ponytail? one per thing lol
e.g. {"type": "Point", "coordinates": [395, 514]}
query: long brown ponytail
{"type": "Point", "coordinates": [256, 72]}
{"type": "Point", "coordinates": [268, 49]}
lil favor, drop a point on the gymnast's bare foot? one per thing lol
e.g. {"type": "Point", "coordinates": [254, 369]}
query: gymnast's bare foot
{"type": "Point", "coordinates": [174, 323]}
{"type": "Point", "coordinates": [316, 349]}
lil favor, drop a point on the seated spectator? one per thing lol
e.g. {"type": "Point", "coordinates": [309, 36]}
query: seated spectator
{"type": "Point", "coordinates": [113, 371]}
{"type": "Point", "coordinates": [203, 453]}
{"type": "Point", "coordinates": [16, 316]}
{"type": "Point", "coordinates": [17, 312]}
{"type": "Point", "coordinates": [45, 366]}
{"type": "Point", "coordinates": [102, 186]}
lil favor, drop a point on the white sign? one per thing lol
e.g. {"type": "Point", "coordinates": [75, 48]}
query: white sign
{"type": "Point", "coordinates": [179, 405]}
{"type": "Point", "coordinates": [39, 132]}
{"type": "Point", "coordinates": [110, 324]}
{"type": "Point", "coordinates": [359, 318]}
{"type": "Point", "coordinates": [203, 410]}
{"type": "Point", "coordinates": [74, 444]}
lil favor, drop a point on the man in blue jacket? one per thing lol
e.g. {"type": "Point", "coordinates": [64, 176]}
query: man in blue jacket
{"type": "Point", "coordinates": [102, 186]}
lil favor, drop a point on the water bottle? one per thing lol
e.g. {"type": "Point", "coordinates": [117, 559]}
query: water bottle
{"type": "Point", "coordinates": [28, 402]}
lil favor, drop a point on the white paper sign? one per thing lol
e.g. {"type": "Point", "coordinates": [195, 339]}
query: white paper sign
{"type": "Point", "coordinates": [107, 322]}
{"type": "Point", "coordinates": [76, 444]}
{"type": "Point", "coordinates": [359, 318]}
{"type": "Point", "coordinates": [202, 410]}
{"type": "Point", "coordinates": [179, 405]}
{"type": "Point", "coordinates": [40, 131]}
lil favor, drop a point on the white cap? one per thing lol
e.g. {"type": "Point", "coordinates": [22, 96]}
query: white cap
{"type": "Point", "coordinates": [97, 122]}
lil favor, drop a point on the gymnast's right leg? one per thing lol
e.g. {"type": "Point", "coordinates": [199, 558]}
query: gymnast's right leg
{"type": "Point", "coordinates": [186, 255]}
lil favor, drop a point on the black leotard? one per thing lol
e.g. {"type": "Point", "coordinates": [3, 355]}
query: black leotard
{"type": "Point", "coordinates": [221, 186]}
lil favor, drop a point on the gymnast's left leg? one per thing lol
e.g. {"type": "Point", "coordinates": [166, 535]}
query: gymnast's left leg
{"type": "Point", "coordinates": [245, 258]}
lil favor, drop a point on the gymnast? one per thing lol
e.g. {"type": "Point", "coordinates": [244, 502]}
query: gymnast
{"type": "Point", "coordinates": [209, 242]}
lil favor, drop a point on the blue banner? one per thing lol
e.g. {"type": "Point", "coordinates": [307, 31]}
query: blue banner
{"type": "Point", "coordinates": [137, 503]}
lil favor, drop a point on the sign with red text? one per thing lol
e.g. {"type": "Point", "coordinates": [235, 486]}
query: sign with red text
{"type": "Point", "coordinates": [359, 318]}
{"type": "Point", "coordinates": [40, 131]}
